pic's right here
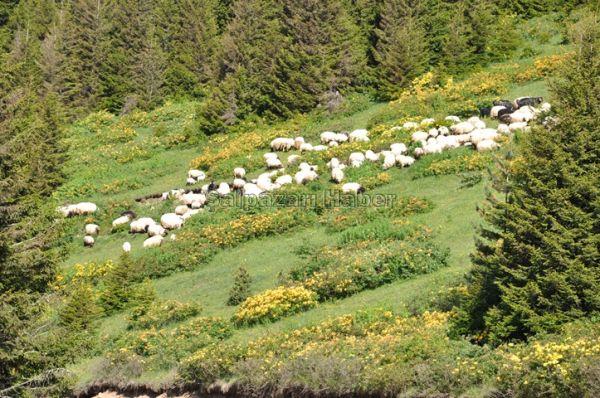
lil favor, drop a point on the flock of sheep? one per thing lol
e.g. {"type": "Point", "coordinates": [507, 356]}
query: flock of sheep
{"type": "Point", "coordinates": [426, 139]}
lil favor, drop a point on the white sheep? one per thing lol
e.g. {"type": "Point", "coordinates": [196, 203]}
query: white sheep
{"type": "Point", "coordinates": [223, 189]}
{"type": "Point", "coordinates": [462, 128]}
{"type": "Point", "coordinates": [546, 107]}
{"type": "Point", "coordinates": [88, 241]}
{"type": "Point", "coordinates": [154, 241]}
{"type": "Point", "coordinates": [307, 167]}
{"type": "Point", "coordinates": [125, 219]}
{"type": "Point", "coordinates": [486, 145]}
{"type": "Point", "coordinates": [521, 116]}
{"type": "Point", "coordinates": [305, 176]}
{"type": "Point", "coordinates": [483, 134]}
{"type": "Point", "coordinates": [78, 209]}
{"type": "Point", "coordinates": [264, 182]}
{"type": "Point", "coordinates": [298, 141]}
{"type": "Point", "coordinates": [356, 159]}
{"type": "Point", "coordinates": [517, 126]}
{"type": "Point", "coordinates": [453, 119]}
{"type": "Point", "coordinates": [126, 247]}
{"type": "Point", "coordinates": [419, 136]}
{"type": "Point", "coordinates": [270, 155]}
{"type": "Point", "coordinates": [503, 129]}
{"type": "Point", "coordinates": [190, 181]}
{"type": "Point", "coordinates": [92, 229]}
{"type": "Point", "coordinates": [155, 230]}
{"type": "Point", "coordinates": [171, 221]}
{"type": "Point", "coordinates": [427, 122]}
{"type": "Point", "coordinates": [389, 160]}
{"type": "Point", "coordinates": [495, 109]}
{"type": "Point", "coordinates": [274, 163]}
{"type": "Point", "coordinates": [333, 163]}
{"type": "Point", "coordinates": [292, 159]}
{"type": "Point", "coordinates": [476, 122]}
{"type": "Point", "coordinates": [333, 144]}
{"type": "Point", "coordinates": [433, 132]}
{"type": "Point", "coordinates": [238, 184]}
{"type": "Point", "coordinates": [190, 197]}
{"type": "Point", "coordinates": [405, 161]}
{"type": "Point", "coordinates": [239, 172]}
{"type": "Point", "coordinates": [306, 147]}
{"type": "Point", "coordinates": [432, 148]}
{"type": "Point", "coordinates": [449, 142]}
{"type": "Point", "coordinates": [352, 187]}
{"type": "Point", "coordinates": [181, 210]}
{"type": "Point", "coordinates": [282, 144]}
{"type": "Point", "coordinates": [372, 156]}
{"type": "Point", "coordinates": [341, 138]}
{"type": "Point", "coordinates": [319, 148]}
{"type": "Point", "coordinates": [418, 152]}
{"type": "Point", "coordinates": [140, 225]}
{"type": "Point", "coordinates": [328, 136]}
{"type": "Point", "coordinates": [284, 179]}
{"type": "Point", "coordinates": [197, 175]}
{"type": "Point", "coordinates": [251, 189]}
{"type": "Point", "coordinates": [337, 175]}
{"type": "Point", "coordinates": [443, 130]}
{"type": "Point", "coordinates": [398, 148]}
{"type": "Point", "coordinates": [359, 135]}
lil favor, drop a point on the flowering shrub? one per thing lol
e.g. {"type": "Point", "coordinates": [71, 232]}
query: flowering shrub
{"type": "Point", "coordinates": [452, 162]}
{"type": "Point", "coordinates": [86, 273]}
{"type": "Point", "coordinates": [162, 313]}
{"type": "Point", "coordinates": [274, 304]}
{"type": "Point", "coordinates": [249, 226]}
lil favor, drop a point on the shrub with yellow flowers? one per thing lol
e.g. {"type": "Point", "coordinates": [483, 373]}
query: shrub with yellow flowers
{"type": "Point", "coordinates": [274, 304]}
{"type": "Point", "coordinates": [159, 314]}
{"type": "Point", "coordinates": [452, 162]}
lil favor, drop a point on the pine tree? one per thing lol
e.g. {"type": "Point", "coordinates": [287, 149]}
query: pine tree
{"type": "Point", "coordinates": [457, 47]}
{"type": "Point", "coordinates": [80, 309]}
{"type": "Point", "coordinates": [241, 287]}
{"type": "Point", "coordinates": [537, 257]}
{"type": "Point", "coordinates": [401, 52]}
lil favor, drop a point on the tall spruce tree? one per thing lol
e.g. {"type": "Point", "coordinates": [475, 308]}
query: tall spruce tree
{"type": "Point", "coordinates": [400, 52]}
{"type": "Point", "coordinates": [538, 256]}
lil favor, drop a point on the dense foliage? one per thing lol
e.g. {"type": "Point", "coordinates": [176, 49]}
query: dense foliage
{"type": "Point", "coordinates": [537, 258]}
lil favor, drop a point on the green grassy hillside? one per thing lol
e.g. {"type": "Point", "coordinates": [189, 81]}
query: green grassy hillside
{"type": "Point", "coordinates": [114, 160]}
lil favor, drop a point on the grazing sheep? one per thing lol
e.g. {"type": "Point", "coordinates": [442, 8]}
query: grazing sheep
{"type": "Point", "coordinates": [476, 122]}
{"type": "Point", "coordinates": [452, 118]}
{"type": "Point", "coordinates": [359, 135]}
{"type": "Point", "coordinates": [527, 101]}
{"type": "Point", "coordinates": [372, 156]}
{"type": "Point", "coordinates": [443, 130]}
{"type": "Point", "coordinates": [298, 141]}
{"type": "Point", "coordinates": [284, 179]}
{"type": "Point", "coordinates": [92, 229]}
{"type": "Point", "coordinates": [398, 148]}
{"type": "Point", "coordinates": [496, 109]}
{"type": "Point", "coordinates": [239, 172]}
{"type": "Point", "coordinates": [505, 103]}
{"type": "Point", "coordinates": [190, 181]}
{"type": "Point", "coordinates": [448, 142]}
{"type": "Point", "coordinates": [433, 132]}
{"type": "Point", "coordinates": [418, 152]}
{"type": "Point", "coordinates": [181, 210]}
{"type": "Point", "coordinates": [88, 241]}
{"type": "Point", "coordinates": [356, 159]}
{"type": "Point", "coordinates": [306, 147]}
{"type": "Point", "coordinates": [389, 161]}
{"type": "Point", "coordinates": [353, 187]}
{"type": "Point", "coordinates": [264, 182]}
{"type": "Point", "coordinates": [171, 221]}
{"type": "Point", "coordinates": [319, 148]}
{"type": "Point", "coordinates": [154, 241]}
{"type": "Point", "coordinates": [238, 184]}
{"type": "Point", "coordinates": [292, 159]}
{"type": "Point", "coordinates": [410, 126]}
{"type": "Point", "coordinates": [517, 126]}
{"type": "Point", "coordinates": [125, 218]}
{"type": "Point", "coordinates": [223, 189]}
{"type": "Point", "coordinates": [333, 144]}
{"type": "Point", "coordinates": [328, 136]}
{"type": "Point", "coordinates": [341, 137]}
{"type": "Point", "coordinates": [190, 197]}
{"type": "Point", "coordinates": [140, 225]}
{"type": "Point", "coordinates": [282, 144]}
{"type": "Point", "coordinates": [486, 145]}
{"type": "Point", "coordinates": [462, 128]}
{"type": "Point", "coordinates": [173, 193]}
{"type": "Point", "coordinates": [432, 148]}
{"type": "Point", "coordinates": [155, 230]}
{"type": "Point", "coordinates": [462, 138]}
{"type": "Point", "coordinates": [78, 209]}
{"type": "Point", "coordinates": [251, 189]}
{"type": "Point", "coordinates": [546, 107]}
{"type": "Point", "coordinates": [419, 136]}
{"type": "Point", "coordinates": [337, 175]}
{"type": "Point", "coordinates": [483, 134]}
{"type": "Point", "coordinates": [305, 176]}
{"type": "Point", "coordinates": [519, 116]}
{"type": "Point", "coordinates": [333, 163]}
{"type": "Point", "coordinates": [274, 163]}
{"type": "Point", "coordinates": [405, 161]}
{"type": "Point", "coordinates": [307, 167]}
{"type": "Point", "coordinates": [270, 155]}
{"type": "Point", "coordinates": [503, 129]}
{"type": "Point", "coordinates": [126, 247]}
{"type": "Point", "coordinates": [197, 175]}
{"type": "Point", "coordinates": [485, 111]}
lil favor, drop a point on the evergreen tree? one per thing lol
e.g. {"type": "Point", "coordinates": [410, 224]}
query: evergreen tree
{"type": "Point", "coordinates": [241, 287]}
{"type": "Point", "coordinates": [457, 47]}
{"type": "Point", "coordinates": [401, 52]}
{"type": "Point", "coordinates": [537, 258]}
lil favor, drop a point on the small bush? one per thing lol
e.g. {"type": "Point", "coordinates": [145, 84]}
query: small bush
{"type": "Point", "coordinates": [241, 287]}
{"type": "Point", "coordinates": [160, 314]}
{"type": "Point", "coordinates": [274, 304]}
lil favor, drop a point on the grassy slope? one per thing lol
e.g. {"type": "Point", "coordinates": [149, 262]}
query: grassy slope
{"type": "Point", "coordinates": [454, 218]}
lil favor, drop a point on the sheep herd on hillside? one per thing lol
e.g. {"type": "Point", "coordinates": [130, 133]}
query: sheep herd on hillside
{"type": "Point", "coordinates": [427, 138]}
